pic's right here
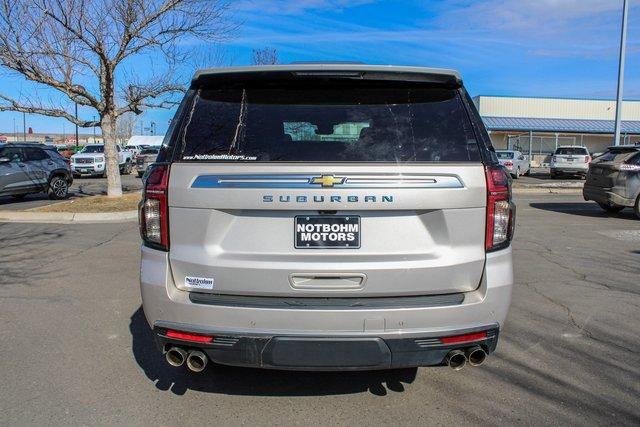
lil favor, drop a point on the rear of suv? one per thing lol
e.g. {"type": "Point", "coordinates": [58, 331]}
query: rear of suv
{"type": "Point", "coordinates": [613, 180]}
{"type": "Point", "coordinates": [33, 168]}
{"type": "Point", "coordinates": [570, 160]}
{"type": "Point", "coordinates": [326, 217]}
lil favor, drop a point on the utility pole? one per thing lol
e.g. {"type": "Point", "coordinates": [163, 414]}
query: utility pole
{"type": "Point", "coordinates": [24, 127]}
{"type": "Point", "coordinates": [623, 42]}
{"type": "Point", "coordinates": [76, 124]}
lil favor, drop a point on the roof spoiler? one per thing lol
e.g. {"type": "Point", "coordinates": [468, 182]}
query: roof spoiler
{"type": "Point", "coordinates": [445, 77]}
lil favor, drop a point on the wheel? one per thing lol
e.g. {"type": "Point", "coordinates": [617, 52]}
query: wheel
{"type": "Point", "coordinates": [528, 172]}
{"type": "Point", "coordinates": [58, 188]}
{"type": "Point", "coordinates": [517, 174]}
{"type": "Point", "coordinates": [554, 175]}
{"type": "Point", "coordinates": [611, 208]}
{"type": "Point", "coordinates": [140, 174]}
{"type": "Point", "coordinates": [636, 208]}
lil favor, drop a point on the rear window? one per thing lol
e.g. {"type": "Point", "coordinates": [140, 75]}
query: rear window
{"type": "Point", "coordinates": [504, 154]}
{"type": "Point", "coordinates": [575, 151]}
{"type": "Point", "coordinates": [615, 156]}
{"type": "Point", "coordinates": [329, 124]}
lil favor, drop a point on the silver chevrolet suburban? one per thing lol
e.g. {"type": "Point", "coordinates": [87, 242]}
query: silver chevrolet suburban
{"type": "Point", "coordinates": [326, 217]}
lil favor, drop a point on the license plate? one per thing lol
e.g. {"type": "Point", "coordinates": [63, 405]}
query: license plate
{"type": "Point", "coordinates": [327, 232]}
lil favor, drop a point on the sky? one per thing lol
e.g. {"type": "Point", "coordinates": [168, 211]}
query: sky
{"type": "Point", "coordinates": [552, 48]}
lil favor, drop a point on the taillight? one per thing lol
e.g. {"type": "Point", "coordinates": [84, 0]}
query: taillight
{"type": "Point", "coordinates": [587, 159]}
{"type": "Point", "coordinates": [508, 164]}
{"type": "Point", "coordinates": [154, 212]}
{"type": "Point", "coordinates": [500, 210]}
{"type": "Point", "coordinates": [629, 167]}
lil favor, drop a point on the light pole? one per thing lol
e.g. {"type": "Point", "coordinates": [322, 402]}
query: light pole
{"type": "Point", "coordinates": [623, 42]}
{"type": "Point", "coordinates": [24, 126]}
{"type": "Point", "coordinates": [76, 124]}
{"type": "Point", "coordinates": [94, 129]}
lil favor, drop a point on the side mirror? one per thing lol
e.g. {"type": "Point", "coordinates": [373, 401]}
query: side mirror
{"type": "Point", "coordinates": [4, 160]}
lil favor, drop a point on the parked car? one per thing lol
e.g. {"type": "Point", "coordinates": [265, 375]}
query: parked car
{"type": "Point", "coordinates": [613, 180]}
{"type": "Point", "coordinates": [146, 158]}
{"type": "Point", "coordinates": [33, 168]}
{"type": "Point", "coordinates": [514, 162]}
{"type": "Point", "coordinates": [136, 149]}
{"type": "Point", "coordinates": [91, 161]}
{"type": "Point", "coordinates": [570, 160]}
{"type": "Point", "coordinates": [326, 217]}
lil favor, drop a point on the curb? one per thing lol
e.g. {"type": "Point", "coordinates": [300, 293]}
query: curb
{"type": "Point", "coordinates": [67, 217]}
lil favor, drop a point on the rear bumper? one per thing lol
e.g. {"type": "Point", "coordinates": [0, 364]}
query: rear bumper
{"type": "Point", "coordinates": [608, 196]}
{"type": "Point", "coordinates": [328, 352]}
{"type": "Point", "coordinates": [395, 329]}
{"type": "Point", "coordinates": [581, 168]}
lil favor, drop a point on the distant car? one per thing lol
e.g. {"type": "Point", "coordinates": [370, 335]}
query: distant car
{"type": "Point", "coordinates": [146, 158]}
{"type": "Point", "coordinates": [613, 180]}
{"type": "Point", "coordinates": [90, 160]}
{"type": "Point", "coordinates": [514, 162]}
{"type": "Point", "coordinates": [33, 168]}
{"type": "Point", "coordinates": [570, 160]}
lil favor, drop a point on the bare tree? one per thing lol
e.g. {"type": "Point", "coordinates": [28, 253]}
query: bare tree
{"type": "Point", "coordinates": [89, 51]}
{"type": "Point", "coordinates": [264, 56]}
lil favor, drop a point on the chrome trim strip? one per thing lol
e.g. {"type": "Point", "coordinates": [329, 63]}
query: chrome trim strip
{"type": "Point", "coordinates": [307, 181]}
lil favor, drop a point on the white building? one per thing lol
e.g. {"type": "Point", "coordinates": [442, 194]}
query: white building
{"type": "Point", "coordinates": [538, 125]}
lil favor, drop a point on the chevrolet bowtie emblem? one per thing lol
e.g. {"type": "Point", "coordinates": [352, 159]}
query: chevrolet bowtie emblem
{"type": "Point", "coordinates": [328, 180]}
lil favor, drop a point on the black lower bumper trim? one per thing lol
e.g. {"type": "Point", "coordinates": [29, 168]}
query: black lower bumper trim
{"type": "Point", "coordinates": [330, 353]}
{"type": "Point", "coordinates": [333, 303]}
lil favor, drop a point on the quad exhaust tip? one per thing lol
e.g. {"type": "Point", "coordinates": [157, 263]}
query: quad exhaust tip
{"type": "Point", "coordinates": [197, 361]}
{"type": "Point", "coordinates": [176, 356]}
{"type": "Point", "coordinates": [456, 359]}
{"type": "Point", "coordinates": [476, 355]}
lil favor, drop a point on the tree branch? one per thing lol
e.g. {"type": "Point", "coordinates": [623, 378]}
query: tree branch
{"type": "Point", "coordinates": [11, 104]}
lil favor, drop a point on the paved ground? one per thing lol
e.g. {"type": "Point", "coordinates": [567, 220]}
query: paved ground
{"type": "Point", "coordinates": [76, 348]}
{"type": "Point", "coordinates": [86, 186]}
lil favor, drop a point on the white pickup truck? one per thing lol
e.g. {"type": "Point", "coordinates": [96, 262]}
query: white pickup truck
{"type": "Point", "coordinates": [91, 161]}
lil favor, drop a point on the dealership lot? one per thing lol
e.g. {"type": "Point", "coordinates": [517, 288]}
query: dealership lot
{"type": "Point", "coordinates": [77, 350]}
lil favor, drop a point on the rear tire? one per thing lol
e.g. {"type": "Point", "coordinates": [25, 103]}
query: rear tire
{"type": "Point", "coordinates": [140, 174]}
{"type": "Point", "coordinates": [636, 208]}
{"type": "Point", "coordinates": [517, 174]}
{"type": "Point", "coordinates": [58, 188]}
{"type": "Point", "coordinates": [611, 208]}
{"type": "Point", "coordinates": [528, 172]}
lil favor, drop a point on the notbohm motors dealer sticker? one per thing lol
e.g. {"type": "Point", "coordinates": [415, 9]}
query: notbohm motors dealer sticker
{"type": "Point", "coordinates": [199, 282]}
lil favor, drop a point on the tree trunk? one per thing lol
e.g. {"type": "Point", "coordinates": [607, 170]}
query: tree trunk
{"type": "Point", "coordinates": [108, 126]}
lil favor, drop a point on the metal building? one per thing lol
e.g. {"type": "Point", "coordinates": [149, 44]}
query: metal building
{"type": "Point", "coordinates": [536, 126]}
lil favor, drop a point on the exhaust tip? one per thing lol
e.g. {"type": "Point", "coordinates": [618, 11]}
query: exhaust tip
{"type": "Point", "coordinates": [197, 361]}
{"type": "Point", "coordinates": [456, 359]}
{"type": "Point", "coordinates": [176, 356]}
{"type": "Point", "coordinates": [476, 356]}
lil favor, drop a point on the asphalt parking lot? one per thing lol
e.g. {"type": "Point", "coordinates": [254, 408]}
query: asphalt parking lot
{"type": "Point", "coordinates": [77, 350]}
{"type": "Point", "coordinates": [81, 187]}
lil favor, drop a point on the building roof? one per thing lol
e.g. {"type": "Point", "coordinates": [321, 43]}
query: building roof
{"type": "Point", "coordinates": [559, 125]}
